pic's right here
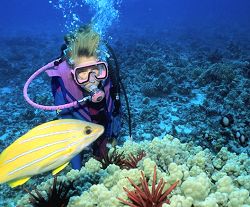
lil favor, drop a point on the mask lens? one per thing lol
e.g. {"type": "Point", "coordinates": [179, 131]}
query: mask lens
{"type": "Point", "coordinates": [101, 71]}
{"type": "Point", "coordinates": [81, 75]}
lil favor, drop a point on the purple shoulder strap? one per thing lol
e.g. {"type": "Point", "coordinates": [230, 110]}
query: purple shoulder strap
{"type": "Point", "coordinates": [64, 71]}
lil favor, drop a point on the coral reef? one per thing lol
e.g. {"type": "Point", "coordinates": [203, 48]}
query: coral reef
{"type": "Point", "coordinates": [205, 179]}
{"type": "Point", "coordinates": [188, 99]}
{"type": "Point", "coordinates": [218, 73]}
{"type": "Point", "coordinates": [215, 56]}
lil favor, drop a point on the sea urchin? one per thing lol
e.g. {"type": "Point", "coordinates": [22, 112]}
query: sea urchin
{"type": "Point", "coordinates": [56, 196]}
{"type": "Point", "coordinates": [143, 197]}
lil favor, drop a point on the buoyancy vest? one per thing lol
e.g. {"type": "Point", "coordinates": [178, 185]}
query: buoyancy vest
{"type": "Point", "coordinates": [73, 92]}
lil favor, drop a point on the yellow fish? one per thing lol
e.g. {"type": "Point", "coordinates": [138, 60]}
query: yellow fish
{"type": "Point", "coordinates": [49, 146]}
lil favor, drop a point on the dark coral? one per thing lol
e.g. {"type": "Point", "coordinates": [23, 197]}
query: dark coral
{"type": "Point", "coordinates": [215, 57]}
{"type": "Point", "coordinates": [56, 196]}
{"type": "Point", "coordinates": [143, 197]}
{"type": "Point", "coordinates": [217, 75]}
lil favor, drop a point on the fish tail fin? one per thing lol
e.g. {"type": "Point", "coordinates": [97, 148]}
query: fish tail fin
{"type": "Point", "coordinates": [15, 183]}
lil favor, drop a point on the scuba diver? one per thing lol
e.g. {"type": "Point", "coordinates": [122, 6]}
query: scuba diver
{"type": "Point", "coordinates": [85, 87]}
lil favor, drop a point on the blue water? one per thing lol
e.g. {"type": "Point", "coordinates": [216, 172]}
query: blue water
{"type": "Point", "coordinates": [40, 15]}
{"type": "Point", "coordinates": [185, 65]}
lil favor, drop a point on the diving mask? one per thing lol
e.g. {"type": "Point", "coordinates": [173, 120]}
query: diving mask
{"type": "Point", "coordinates": [88, 75]}
{"type": "Point", "coordinates": [86, 72]}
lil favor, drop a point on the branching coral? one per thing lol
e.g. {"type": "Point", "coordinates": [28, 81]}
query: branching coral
{"type": "Point", "coordinates": [56, 196]}
{"type": "Point", "coordinates": [142, 197]}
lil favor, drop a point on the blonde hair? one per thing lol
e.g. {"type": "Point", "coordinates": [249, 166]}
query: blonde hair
{"type": "Point", "coordinates": [83, 42]}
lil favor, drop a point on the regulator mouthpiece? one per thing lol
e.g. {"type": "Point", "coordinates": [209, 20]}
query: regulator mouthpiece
{"type": "Point", "coordinates": [97, 95]}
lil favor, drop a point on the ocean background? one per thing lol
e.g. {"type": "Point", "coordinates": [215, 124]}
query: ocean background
{"type": "Point", "coordinates": [185, 65]}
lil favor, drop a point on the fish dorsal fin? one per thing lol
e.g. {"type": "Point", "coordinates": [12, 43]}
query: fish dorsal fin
{"type": "Point", "coordinates": [15, 183]}
{"type": "Point", "coordinates": [57, 170]}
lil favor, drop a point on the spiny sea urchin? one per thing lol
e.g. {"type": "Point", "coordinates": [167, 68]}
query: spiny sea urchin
{"type": "Point", "coordinates": [143, 197]}
{"type": "Point", "coordinates": [56, 196]}
{"type": "Point", "coordinates": [133, 160]}
{"type": "Point", "coordinates": [111, 158]}
{"type": "Point", "coordinates": [119, 159]}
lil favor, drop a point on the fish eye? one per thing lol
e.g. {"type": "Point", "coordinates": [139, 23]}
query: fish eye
{"type": "Point", "coordinates": [87, 130]}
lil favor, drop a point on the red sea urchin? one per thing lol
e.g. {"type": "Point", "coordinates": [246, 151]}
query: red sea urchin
{"type": "Point", "coordinates": [119, 159]}
{"type": "Point", "coordinates": [143, 197]}
{"type": "Point", "coordinates": [111, 158]}
{"type": "Point", "coordinates": [132, 161]}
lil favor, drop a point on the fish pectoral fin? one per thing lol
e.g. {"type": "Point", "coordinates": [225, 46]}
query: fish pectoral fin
{"type": "Point", "coordinates": [57, 170]}
{"type": "Point", "coordinates": [21, 181]}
